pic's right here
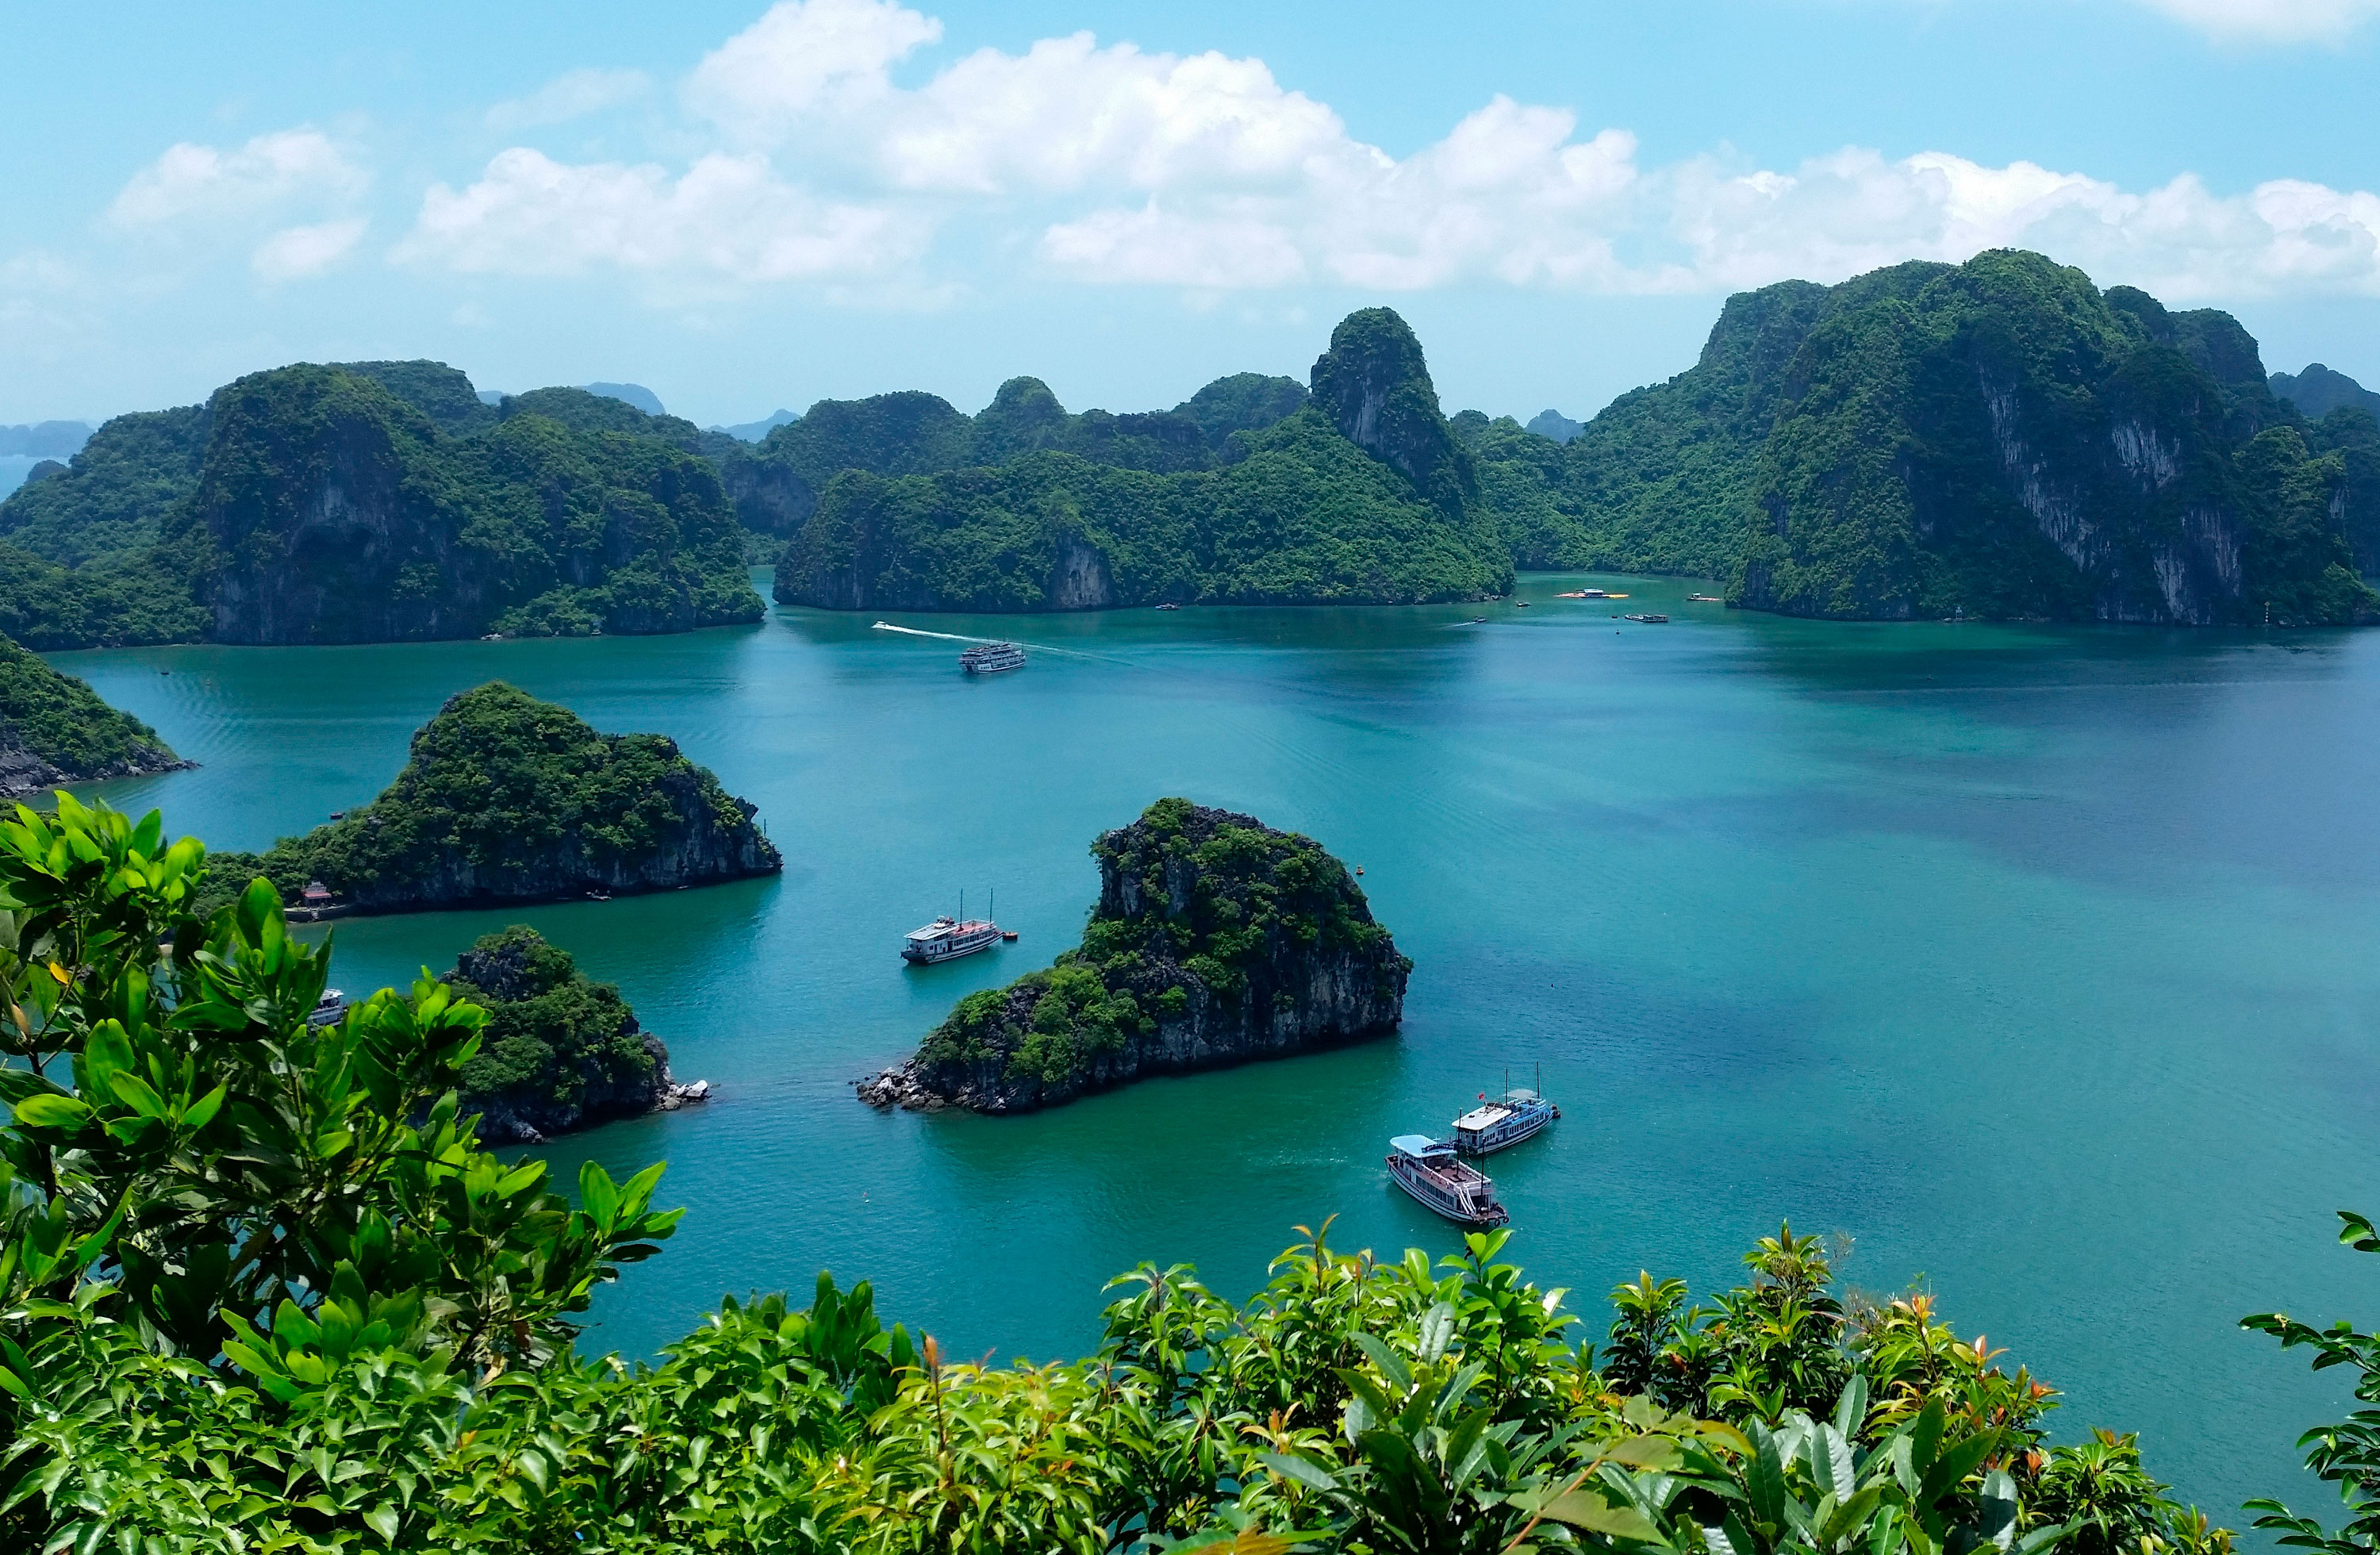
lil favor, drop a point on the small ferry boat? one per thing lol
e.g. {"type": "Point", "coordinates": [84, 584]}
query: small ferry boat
{"type": "Point", "coordinates": [328, 1009]}
{"type": "Point", "coordinates": [1429, 1170]}
{"type": "Point", "coordinates": [990, 658]}
{"type": "Point", "coordinates": [1648, 618]}
{"type": "Point", "coordinates": [1508, 1120]}
{"type": "Point", "coordinates": [948, 938]}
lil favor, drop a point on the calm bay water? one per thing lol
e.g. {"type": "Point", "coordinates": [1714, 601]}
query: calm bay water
{"type": "Point", "coordinates": [2039, 962]}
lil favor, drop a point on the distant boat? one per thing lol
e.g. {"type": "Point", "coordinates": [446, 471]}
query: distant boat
{"type": "Point", "coordinates": [990, 658]}
{"type": "Point", "coordinates": [1428, 1170]}
{"type": "Point", "coordinates": [1169, 607]}
{"type": "Point", "coordinates": [1520, 604]}
{"type": "Point", "coordinates": [327, 1009]}
{"type": "Point", "coordinates": [1584, 594]}
{"type": "Point", "coordinates": [1649, 619]}
{"type": "Point", "coordinates": [1704, 599]}
{"type": "Point", "coordinates": [1510, 1118]}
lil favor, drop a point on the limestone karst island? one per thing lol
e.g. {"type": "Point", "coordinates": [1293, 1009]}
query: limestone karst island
{"type": "Point", "coordinates": [856, 777]}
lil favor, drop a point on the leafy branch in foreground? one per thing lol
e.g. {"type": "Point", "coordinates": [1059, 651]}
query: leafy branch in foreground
{"type": "Point", "coordinates": [2347, 1453]}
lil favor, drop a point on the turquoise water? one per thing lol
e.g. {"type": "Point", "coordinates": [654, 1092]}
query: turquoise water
{"type": "Point", "coordinates": [2035, 961]}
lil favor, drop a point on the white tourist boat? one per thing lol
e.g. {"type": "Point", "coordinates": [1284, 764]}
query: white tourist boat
{"type": "Point", "coordinates": [1430, 1171]}
{"type": "Point", "coordinates": [1510, 1118]}
{"type": "Point", "coordinates": [948, 938]}
{"type": "Point", "coordinates": [990, 658]}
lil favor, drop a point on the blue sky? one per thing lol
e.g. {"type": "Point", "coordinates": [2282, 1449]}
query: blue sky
{"type": "Point", "coordinates": [745, 207]}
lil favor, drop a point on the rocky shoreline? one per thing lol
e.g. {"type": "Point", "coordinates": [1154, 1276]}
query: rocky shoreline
{"type": "Point", "coordinates": [22, 773]}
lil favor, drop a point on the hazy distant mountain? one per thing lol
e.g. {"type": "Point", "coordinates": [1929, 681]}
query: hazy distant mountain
{"type": "Point", "coordinates": [2318, 391]}
{"type": "Point", "coordinates": [636, 395]}
{"type": "Point", "coordinates": [45, 440]}
{"type": "Point", "coordinates": [753, 432]}
{"type": "Point", "coordinates": [1554, 424]}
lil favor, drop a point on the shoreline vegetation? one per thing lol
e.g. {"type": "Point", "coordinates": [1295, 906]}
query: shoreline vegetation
{"type": "Point", "coordinates": [508, 800]}
{"type": "Point", "coordinates": [1999, 439]}
{"type": "Point", "coordinates": [262, 1287]}
{"type": "Point", "coordinates": [1217, 940]}
{"type": "Point", "coordinates": [56, 729]}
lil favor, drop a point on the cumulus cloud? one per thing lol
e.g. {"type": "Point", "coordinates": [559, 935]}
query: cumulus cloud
{"type": "Point", "coordinates": [571, 95]}
{"type": "Point", "coordinates": [298, 253]}
{"type": "Point", "coordinates": [727, 215]}
{"type": "Point", "coordinates": [2272, 21]}
{"type": "Point", "coordinates": [802, 59]}
{"type": "Point", "coordinates": [1107, 163]}
{"type": "Point", "coordinates": [200, 182]}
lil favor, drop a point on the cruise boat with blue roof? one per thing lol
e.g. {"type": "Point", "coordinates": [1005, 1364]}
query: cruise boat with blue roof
{"type": "Point", "coordinates": [1430, 1171]}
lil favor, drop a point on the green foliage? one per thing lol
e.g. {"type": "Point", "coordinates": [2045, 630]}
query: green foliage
{"type": "Point", "coordinates": [2345, 1453]}
{"type": "Point", "coordinates": [1995, 439]}
{"type": "Point", "coordinates": [1199, 909]}
{"type": "Point", "coordinates": [557, 1049]}
{"type": "Point", "coordinates": [376, 501]}
{"type": "Point", "coordinates": [117, 492]}
{"type": "Point", "coordinates": [1237, 496]}
{"type": "Point", "coordinates": [441, 393]}
{"type": "Point", "coordinates": [507, 797]}
{"type": "Point", "coordinates": [62, 722]}
{"type": "Point", "coordinates": [1304, 517]}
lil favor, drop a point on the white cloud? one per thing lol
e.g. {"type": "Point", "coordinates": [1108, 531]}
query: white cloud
{"type": "Point", "coordinates": [569, 96]}
{"type": "Point", "coordinates": [803, 58]}
{"type": "Point", "coordinates": [299, 252]}
{"type": "Point", "coordinates": [200, 182]}
{"type": "Point", "coordinates": [726, 216]}
{"type": "Point", "coordinates": [2270, 21]}
{"type": "Point", "coordinates": [1109, 165]}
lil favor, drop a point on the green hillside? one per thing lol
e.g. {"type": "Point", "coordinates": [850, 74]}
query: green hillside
{"type": "Point", "coordinates": [1998, 439]}
{"type": "Point", "coordinates": [1362, 494]}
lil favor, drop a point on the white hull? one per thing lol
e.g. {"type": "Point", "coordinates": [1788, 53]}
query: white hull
{"type": "Point", "coordinates": [949, 951]}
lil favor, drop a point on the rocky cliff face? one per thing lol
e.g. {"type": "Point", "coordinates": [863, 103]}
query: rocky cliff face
{"type": "Point", "coordinates": [1375, 386]}
{"type": "Point", "coordinates": [2002, 439]}
{"type": "Point", "coordinates": [1217, 939]}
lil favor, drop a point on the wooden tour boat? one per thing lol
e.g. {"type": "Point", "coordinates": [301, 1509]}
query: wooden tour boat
{"type": "Point", "coordinates": [1430, 1171]}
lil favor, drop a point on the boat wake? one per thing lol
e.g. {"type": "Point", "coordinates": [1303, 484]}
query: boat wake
{"type": "Point", "coordinates": [956, 636]}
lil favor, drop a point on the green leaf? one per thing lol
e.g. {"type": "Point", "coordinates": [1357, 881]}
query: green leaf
{"type": "Point", "coordinates": [1850, 1409]}
{"type": "Point", "coordinates": [1646, 1453]}
{"type": "Point", "coordinates": [135, 1093]}
{"type": "Point", "coordinates": [1764, 1480]}
{"type": "Point", "coordinates": [384, 1521]}
{"type": "Point", "coordinates": [202, 1111]}
{"type": "Point", "coordinates": [1300, 1469]}
{"type": "Point", "coordinates": [51, 1110]}
{"type": "Point", "coordinates": [597, 1194]}
{"type": "Point", "coordinates": [1831, 1461]}
{"type": "Point", "coordinates": [1849, 1518]}
{"type": "Point", "coordinates": [1585, 1509]}
{"type": "Point", "coordinates": [1954, 1467]}
{"type": "Point", "coordinates": [1437, 1332]}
